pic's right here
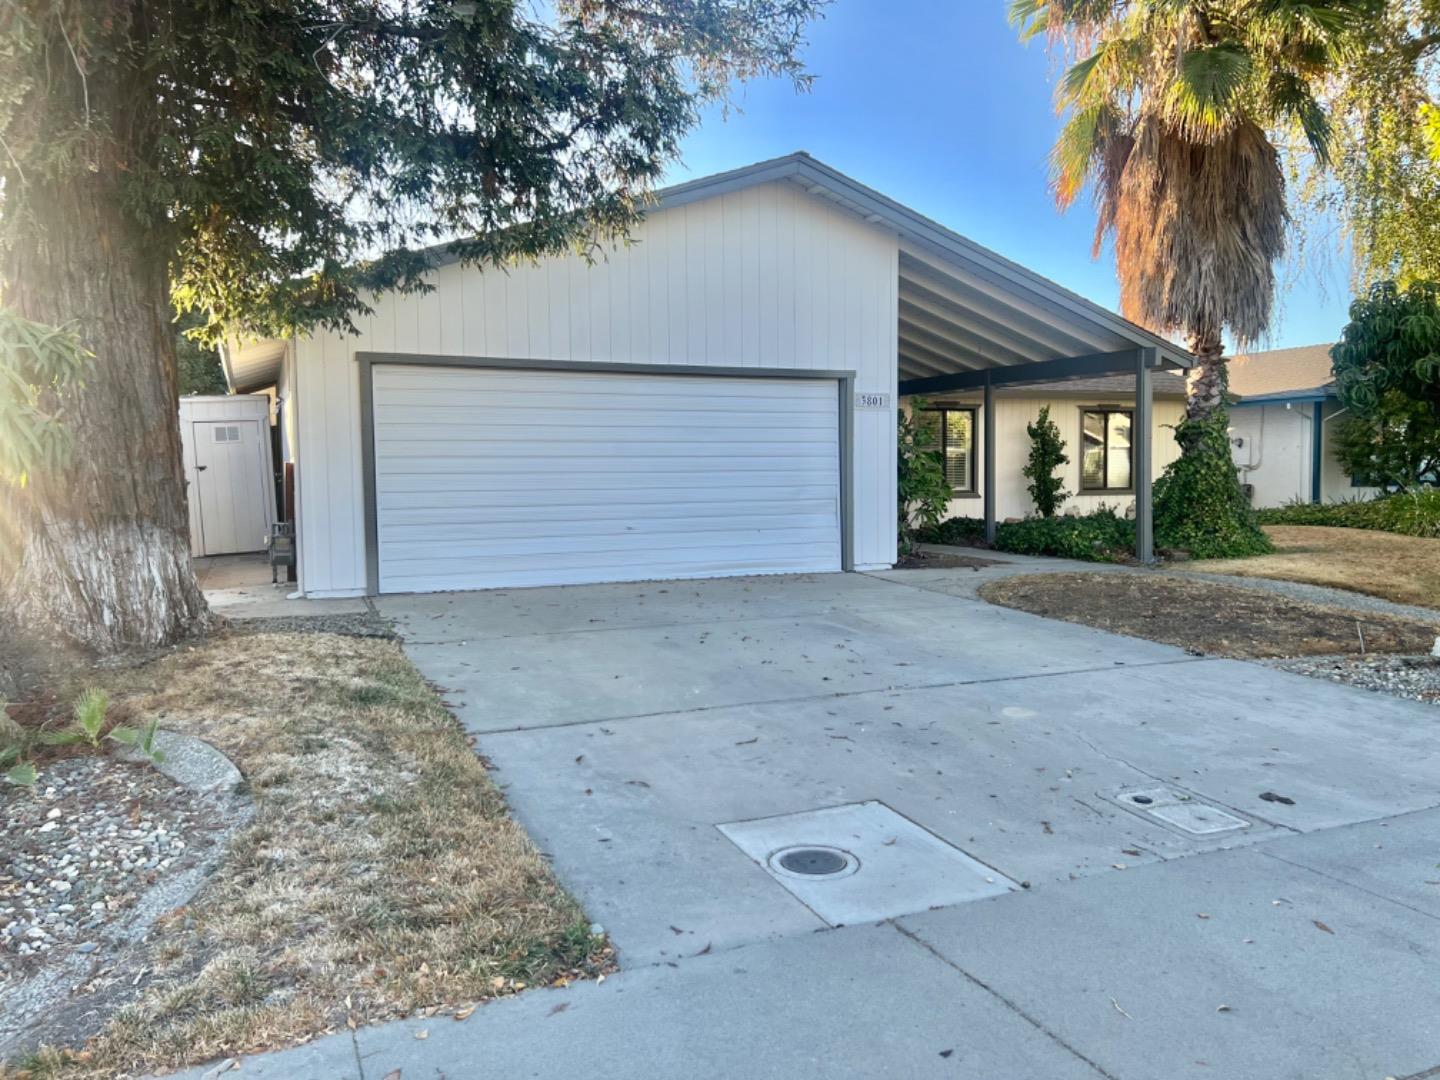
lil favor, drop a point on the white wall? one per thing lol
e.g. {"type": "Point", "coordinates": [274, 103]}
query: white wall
{"type": "Point", "coordinates": [765, 277]}
{"type": "Point", "coordinates": [1276, 458]}
{"type": "Point", "coordinates": [1012, 450]}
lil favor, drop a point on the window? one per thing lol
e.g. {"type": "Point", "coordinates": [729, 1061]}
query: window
{"type": "Point", "coordinates": [226, 433]}
{"type": "Point", "coordinates": [956, 434]}
{"type": "Point", "coordinates": [1105, 461]}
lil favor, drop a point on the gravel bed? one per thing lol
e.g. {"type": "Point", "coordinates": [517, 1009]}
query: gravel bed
{"type": "Point", "coordinates": [368, 624]}
{"type": "Point", "coordinates": [1413, 677]}
{"type": "Point", "coordinates": [80, 848]}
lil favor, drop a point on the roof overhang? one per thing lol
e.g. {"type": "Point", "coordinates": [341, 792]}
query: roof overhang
{"type": "Point", "coordinates": [1287, 397]}
{"type": "Point", "coordinates": [962, 307]}
{"type": "Point", "coordinates": [253, 364]}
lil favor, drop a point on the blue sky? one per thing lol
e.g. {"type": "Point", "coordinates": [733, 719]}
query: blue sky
{"type": "Point", "coordinates": [938, 104]}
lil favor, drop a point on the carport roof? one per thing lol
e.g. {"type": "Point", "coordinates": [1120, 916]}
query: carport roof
{"type": "Point", "coordinates": [962, 306]}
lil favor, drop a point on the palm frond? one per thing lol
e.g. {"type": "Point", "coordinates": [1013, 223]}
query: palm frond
{"type": "Point", "coordinates": [1206, 97]}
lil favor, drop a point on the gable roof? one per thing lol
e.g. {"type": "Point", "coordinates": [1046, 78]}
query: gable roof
{"type": "Point", "coordinates": [1301, 373]}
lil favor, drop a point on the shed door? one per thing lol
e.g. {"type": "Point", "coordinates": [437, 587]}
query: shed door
{"type": "Point", "coordinates": [230, 486]}
{"type": "Point", "coordinates": [489, 478]}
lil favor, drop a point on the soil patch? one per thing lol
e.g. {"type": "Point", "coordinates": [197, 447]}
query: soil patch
{"type": "Point", "coordinates": [944, 560]}
{"type": "Point", "coordinates": [1202, 617]}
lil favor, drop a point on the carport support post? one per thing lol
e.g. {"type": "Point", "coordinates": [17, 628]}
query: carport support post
{"type": "Point", "coordinates": [1145, 361]}
{"type": "Point", "coordinates": [987, 418]}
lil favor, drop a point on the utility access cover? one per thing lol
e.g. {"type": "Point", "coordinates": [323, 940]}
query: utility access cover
{"type": "Point", "coordinates": [1181, 810]}
{"type": "Point", "coordinates": [863, 862]}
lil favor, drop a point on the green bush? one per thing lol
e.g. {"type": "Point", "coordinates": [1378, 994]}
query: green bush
{"type": "Point", "coordinates": [1101, 536]}
{"type": "Point", "coordinates": [1199, 506]}
{"type": "Point", "coordinates": [923, 492]}
{"type": "Point", "coordinates": [1407, 513]}
{"type": "Point", "coordinates": [1047, 453]}
{"type": "Point", "coordinates": [956, 530]}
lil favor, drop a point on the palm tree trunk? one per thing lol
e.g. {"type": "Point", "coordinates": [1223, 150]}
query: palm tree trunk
{"type": "Point", "coordinates": [99, 551]}
{"type": "Point", "coordinates": [1207, 379]}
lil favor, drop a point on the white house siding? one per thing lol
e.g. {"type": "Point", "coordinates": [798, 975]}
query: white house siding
{"type": "Point", "coordinates": [767, 277]}
{"type": "Point", "coordinates": [1012, 450]}
{"type": "Point", "coordinates": [1276, 459]}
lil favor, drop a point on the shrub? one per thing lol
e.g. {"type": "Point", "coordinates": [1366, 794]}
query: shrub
{"type": "Point", "coordinates": [1101, 536]}
{"type": "Point", "coordinates": [956, 530]}
{"type": "Point", "coordinates": [1199, 506]}
{"type": "Point", "coordinates": [1047, 453]}
{"type": "Point", "coordinates": [923, 493]}
{"type": "Point", "coordinates": [1414, 513]}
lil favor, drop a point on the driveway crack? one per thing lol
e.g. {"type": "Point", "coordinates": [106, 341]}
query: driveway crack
{"type": "Point", "coordinates": [1034, 1022]}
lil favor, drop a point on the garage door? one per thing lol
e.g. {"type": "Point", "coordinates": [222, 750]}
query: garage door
{"type": "Point", "coordinates": [487, 478]}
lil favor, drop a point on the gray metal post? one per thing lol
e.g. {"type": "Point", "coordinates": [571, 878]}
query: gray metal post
{"type": "Point", "coordinates": [1140, 439]}
{"type": "Point", "coordinates": [988, 419]}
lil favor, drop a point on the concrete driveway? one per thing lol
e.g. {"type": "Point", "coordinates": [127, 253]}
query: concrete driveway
{"type": "Point", "coordinates": [1075, 854]}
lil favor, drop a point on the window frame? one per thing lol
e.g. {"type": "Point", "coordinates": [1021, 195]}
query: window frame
{"type": "Point", "coordinates": [1106, 411]}
{"type": "Point", "coordinates": [942, 446]}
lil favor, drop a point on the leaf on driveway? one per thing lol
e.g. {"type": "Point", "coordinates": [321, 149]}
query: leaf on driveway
{"type": "Point", "coordinates": [393, 1074]}
{"type": "Point", "coordinates": [1321, 926]}
{"type": "Point", "coordinates": [464, 1014]}
{"type": "Point", "coordinates": [559, 1008]}
{"type": "Point", "coordinates": [423, 1033]}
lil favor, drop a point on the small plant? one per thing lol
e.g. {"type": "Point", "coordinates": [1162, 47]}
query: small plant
{"type": "Point", "coordinates": [142, 739]}
{"type": "Point", "coordinates": [90, 714]}
{"type": "Point", "coordinates": [1047, 453]}
{"type": "Point", "coordinates": [923, 493]}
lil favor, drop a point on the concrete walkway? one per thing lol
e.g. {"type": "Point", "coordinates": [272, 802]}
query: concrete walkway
{"type": "Point", "coordinates": [627, 723]}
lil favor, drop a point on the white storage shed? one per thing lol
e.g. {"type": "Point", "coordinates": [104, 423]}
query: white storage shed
{"type": "Point", "coordinates": [229, 472]}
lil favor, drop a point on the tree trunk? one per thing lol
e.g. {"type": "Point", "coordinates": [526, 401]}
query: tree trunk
{"type": "Point", "coordinates": [100, 548]}
{"type": "Point", "coordinates": [1207, 380]}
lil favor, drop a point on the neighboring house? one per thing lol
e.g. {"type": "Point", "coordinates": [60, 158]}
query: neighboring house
{"type": "Point", "coordinates": [1284, 397]}
{"type": "Point", "coordinates": [717, 397]}
{"type": "Point", "coordinates": [1094, 417]}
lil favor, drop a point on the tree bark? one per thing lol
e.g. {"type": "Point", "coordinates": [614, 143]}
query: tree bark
{"type": "Point", "coordinates": [1207, 380]}
{"type": "Point", "coordinates": [100, 550]}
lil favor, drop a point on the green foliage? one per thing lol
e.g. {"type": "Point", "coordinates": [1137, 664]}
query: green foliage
{"type": "Point", "coordinates": [1409, 513]}
{"type": "Point", "coordinates": [1100, 536]}
{"type": "Point", "coordinates": [283, 158]}
{"type": "Point", "coordinates": [1397, 445]}
{"type": "Point", "coordinates": [955, 530]}
{"type": "Point", "coordinates": [90, 712]}
{"type": "Point", "coordinates": [1047, 453]}
{"type": "Point", "coordinates": [1199, 507]}
{"type": "Point", "coordinates": [1387, 146]}
{"type": "Point", "coordinates": [39, 365]}
{"type": "Point", "coordinates": [923, 493]}
{"type": "Point", "coordinates": [141, 739]}
{"type": "Point", "coordinates": [198, 365]}
{"type": "Point", "coordinates": [1387, 373]}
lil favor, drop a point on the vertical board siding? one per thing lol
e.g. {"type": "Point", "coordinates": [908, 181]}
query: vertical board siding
{"type": "Point", "coordinates": [765, 277]}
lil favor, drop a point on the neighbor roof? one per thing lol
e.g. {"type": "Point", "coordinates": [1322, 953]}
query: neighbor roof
{"type": "Point", "coordinates": [1301, 373]}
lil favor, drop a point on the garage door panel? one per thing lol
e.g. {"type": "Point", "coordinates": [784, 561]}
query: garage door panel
{"type": "Point", "coordinates": [499, 478]}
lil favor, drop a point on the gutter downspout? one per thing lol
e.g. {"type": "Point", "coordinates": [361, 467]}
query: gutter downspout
{"type": "Point", "coordinates": [1317, 456]}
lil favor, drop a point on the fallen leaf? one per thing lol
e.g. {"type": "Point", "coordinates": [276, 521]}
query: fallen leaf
{"type": "Point", "coordinates": [464, 1014]}
{"type": "Point", "coordinates": [579, 758]}
{"type": "Point", "coordinates": [559, 1008]}
{"type": "Point", "coordinates": [947, 1053]}
{"type": "Point", "coordinates": [637, 783]}
{"type": "Point", "coordinates": [1321, 926]}
{"type": "Point", "coordinates": [393, 1074]}
{"type": "Point", "coordinates": [705, 950]}
{"type": "Point", "coordinates": [423, 1033]}
{"type": "Point", "coordinates": [748, 742]}
{"type": "Point", "coordinates": [1270, 796]}
{"type": "Point", "coordinates": [1222, 1008]}
{"type": "Point", "coordinates": [676, 930]}
{"type": "Point", "coordinates": [1201, 915]}
{"type": "Point", "coordinates": [1121, 1011]}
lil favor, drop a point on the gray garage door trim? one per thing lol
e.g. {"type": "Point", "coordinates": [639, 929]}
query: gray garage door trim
{"type": "Point", "coordinates": [368, 360]}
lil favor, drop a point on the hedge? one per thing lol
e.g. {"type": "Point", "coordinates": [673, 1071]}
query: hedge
{"type": "Point", "coordinates": [1408, 514]}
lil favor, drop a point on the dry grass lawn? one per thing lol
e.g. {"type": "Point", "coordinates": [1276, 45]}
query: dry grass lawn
{"type": "Point", "coordinates": [1405, 569]}
{"type": "Point", "coordinates": [381, 874]}
{"type": "Point", "coordinates": [1205, 617]}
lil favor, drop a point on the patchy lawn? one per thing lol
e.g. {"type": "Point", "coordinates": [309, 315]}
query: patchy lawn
{"type": "Point", "coordinates": [381, 874]}
{"type": "Point", "coordinates": [1405, 569]}
{"type": "Point", "coordinates": [1205, 617]}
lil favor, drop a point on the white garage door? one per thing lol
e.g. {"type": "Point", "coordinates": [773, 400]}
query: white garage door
{"type": "Point", "coordinates": [487, 478]}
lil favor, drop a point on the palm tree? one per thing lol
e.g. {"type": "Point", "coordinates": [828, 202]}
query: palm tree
{"type": "Point", "coordinates": [1169, 111]}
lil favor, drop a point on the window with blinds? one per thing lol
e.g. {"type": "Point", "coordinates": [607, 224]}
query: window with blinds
{"type": "Point", "coordinates": [1106, 456]}
{"type": "Point", "coordinates": [955, 441]}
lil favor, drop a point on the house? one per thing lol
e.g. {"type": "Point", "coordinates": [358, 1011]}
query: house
{"type": "Point", "coordinates": [1284, 397]}
{"type": "Point", "coordinates": [1094, 416]}
{"type": "Point", "coordinates": [716, 397]}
